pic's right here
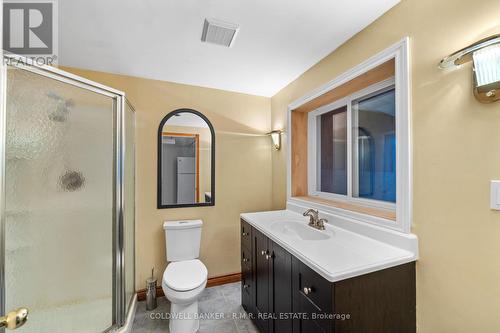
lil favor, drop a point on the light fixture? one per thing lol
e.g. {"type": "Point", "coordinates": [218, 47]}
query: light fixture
{"type": "Point", "coordinates": [485, 56]}
{"type": "Point", "coordinates": [276, 138]}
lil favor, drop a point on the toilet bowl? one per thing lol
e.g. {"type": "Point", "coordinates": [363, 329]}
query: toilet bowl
{"type": "Point", "coordinates": [185, 277]}
{"type": "Point", "coordinates": [183, 283]}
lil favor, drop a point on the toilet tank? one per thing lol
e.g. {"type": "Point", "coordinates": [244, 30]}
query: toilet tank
{"type": "Point", "coordinates": [182, 239]}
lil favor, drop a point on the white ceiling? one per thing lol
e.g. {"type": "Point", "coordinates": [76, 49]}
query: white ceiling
{"type": "Point", "coordinates": [160, 39]}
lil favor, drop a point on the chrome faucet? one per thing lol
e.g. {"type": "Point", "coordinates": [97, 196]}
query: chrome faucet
{"type": "Point", "coordinates": [313, 216]}
{"type": "Point", "coordinates": [314, 220]}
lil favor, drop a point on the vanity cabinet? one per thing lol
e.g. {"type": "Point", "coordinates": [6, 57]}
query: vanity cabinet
{"type": "Point", "coordinates": [266, 281]}
{"type": "Point", "coordinates": [284, 295]}
{"type": "Point", "coordinates": [247, 280]}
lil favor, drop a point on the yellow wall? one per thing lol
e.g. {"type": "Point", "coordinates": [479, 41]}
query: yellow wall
{"type": "Point", "coordinates": [458, 274]}
{"type": "Point", "coordinates": [243, 167]}
{"type": "Point", "coordinates": [456, 143]}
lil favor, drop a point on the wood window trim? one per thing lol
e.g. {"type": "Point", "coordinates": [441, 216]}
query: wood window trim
{"type": "Point", "coordinates": [300, 145]}
{"type": "Point", "coordinates": [375, 69]}
{"type": "Point", "coordinates": [197, 143]}
{"type": "Point", "coordinates": [299, 120]}
{"type": "Point", "coordinates": [375, 75]}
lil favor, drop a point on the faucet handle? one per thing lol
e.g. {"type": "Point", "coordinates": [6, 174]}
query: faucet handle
{"type": "Point", "coordinates": [321, 224]}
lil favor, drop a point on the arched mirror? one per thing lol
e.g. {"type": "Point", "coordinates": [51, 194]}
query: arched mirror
{"type": "Point", "coordinates": [186, 160]}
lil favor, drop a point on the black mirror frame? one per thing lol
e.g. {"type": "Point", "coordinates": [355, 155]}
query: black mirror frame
{"type": "Point", "coordinates": [212, 162]}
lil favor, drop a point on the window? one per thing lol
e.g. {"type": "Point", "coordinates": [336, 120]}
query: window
{"type": "Point", "coordinates": [355, 141]}
{"type": "Point", "coordinates": [333, 157]}
{"type": "Point", "coordinates": [374, 146]}
{"type": "Point", "coordinates": [349, 153]}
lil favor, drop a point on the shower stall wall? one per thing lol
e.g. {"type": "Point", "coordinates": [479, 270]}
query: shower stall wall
{"type": "Point", "coordinates": [67, 200]}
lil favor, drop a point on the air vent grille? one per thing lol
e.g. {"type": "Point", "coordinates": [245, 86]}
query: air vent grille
{"type": "Point", "coordinates": [219, 32]}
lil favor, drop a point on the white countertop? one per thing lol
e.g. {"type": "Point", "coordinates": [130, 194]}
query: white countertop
{"type": "Point", "coordinates": [344, 255]}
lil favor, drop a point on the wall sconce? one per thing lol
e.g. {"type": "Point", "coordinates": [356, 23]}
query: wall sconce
{"type": "Point", "coordinates": [276, 138]}
{"type": "Point", "coordinates": [485, 55]}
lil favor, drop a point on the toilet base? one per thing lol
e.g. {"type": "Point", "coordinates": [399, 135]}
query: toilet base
{"type": "Point", "coordinates": [184, 318]}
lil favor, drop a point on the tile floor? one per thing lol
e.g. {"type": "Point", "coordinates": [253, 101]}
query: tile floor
{"type": "Point", "coordinates": [223, 301]}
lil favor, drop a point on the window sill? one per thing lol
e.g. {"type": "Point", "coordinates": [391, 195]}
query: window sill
{"type": "Point", "coordinates": [376, 212]}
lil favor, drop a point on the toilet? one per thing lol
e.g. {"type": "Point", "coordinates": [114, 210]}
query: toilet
{"type": "Point", "coordinates": [185, 277]}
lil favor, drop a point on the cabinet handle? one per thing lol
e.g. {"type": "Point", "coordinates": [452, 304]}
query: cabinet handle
{"type": "Point", "coordinates": [264, 252]}
{"type": "Point", "coordinates": [307, 290]}
{"type": "Point", "coordinates": [244, 233]}
{"type": "Point", "coordinates": [246, 286]}
{"type": "Point", "coordinates": [245, 260]}
{"type": "Point", "coordinates": [268, 256]}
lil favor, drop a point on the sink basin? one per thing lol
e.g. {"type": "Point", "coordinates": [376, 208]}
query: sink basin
{"type": "Point", "coordinates": [300, 230]}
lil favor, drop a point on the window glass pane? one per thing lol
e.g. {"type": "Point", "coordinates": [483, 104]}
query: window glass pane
{"type": "Point", "coordinates": [374, 144]}
{"type": "Point", "coordinates": [333, 152]}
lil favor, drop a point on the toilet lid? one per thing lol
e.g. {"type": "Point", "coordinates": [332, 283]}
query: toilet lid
{"type": "Point", "coordinates": [185, 275]}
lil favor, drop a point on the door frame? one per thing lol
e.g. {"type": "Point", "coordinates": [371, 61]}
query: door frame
{"type": "Point", "coordinates": [118, 290]}
{"type": "Point", "coordinates": [197, 156]}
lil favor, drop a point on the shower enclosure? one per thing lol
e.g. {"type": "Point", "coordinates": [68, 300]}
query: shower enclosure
{"type": "Point", "coordinates": [67, 201]}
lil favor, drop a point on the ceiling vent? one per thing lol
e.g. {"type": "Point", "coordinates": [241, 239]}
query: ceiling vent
{"type": "Point", "coordinates": [219, 32]}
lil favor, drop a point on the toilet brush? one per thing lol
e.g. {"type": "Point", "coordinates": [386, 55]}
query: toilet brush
{"type": "Point", "coordinates": [151, 292]}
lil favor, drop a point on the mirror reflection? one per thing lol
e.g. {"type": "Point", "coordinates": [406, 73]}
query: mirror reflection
{"type": "Point", "coordinates": [186, 160]}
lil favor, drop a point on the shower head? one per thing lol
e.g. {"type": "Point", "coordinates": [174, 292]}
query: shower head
{"type": "Point", "coordinates": [72, 180]}
{"type": "Point", "coordinates": [60, 115]}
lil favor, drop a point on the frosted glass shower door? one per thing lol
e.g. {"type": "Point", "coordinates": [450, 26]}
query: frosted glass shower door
{"type": "Point", "coordinates": [59, 203]}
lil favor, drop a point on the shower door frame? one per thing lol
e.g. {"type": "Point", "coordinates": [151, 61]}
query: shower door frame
{"type": "Point", "coordinates": [120, 309]}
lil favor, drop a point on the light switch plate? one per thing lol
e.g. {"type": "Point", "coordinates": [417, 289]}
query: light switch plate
{"type": "Point", "coordinates": [495, 195]}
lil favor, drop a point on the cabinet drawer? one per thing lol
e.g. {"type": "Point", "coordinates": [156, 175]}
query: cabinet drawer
{"type": "Point", "coordinates": [246, 235]}
{"type": "Point", "coordinates": [314, 287]}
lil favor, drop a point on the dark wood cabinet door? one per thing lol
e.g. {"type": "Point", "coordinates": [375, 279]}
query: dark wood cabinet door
{"type": "Point", "coordinates": [315, 288]}
{"type": "Point", "coordinates": [247, 285]}
{"type": "Point", "coordinates": [281, 291]}
{"type": "Point", "coordinates": [313, 304]}
{"type": "Point", "coordinates": [261, 256]}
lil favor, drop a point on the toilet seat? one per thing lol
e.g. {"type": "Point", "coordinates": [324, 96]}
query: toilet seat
{"type": "Point", "coordinates": [185, 275]}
